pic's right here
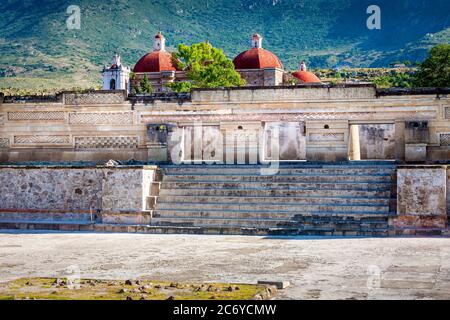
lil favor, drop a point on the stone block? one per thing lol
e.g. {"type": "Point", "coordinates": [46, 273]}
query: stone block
{"type": "Point", "coordinates": [126, 218]}
{"type": "Point", "coordinates": [421, 197]}
{"type": "Point", "coordinates": [158, 153]}
{"type": "Point", "coordinates": [415, 152]}
{"type": "Point", "coordinates": [154, 188]}
{"type": "Point", "coordinates": [151, 203]}
{"type": "Point", "coordinates": [420, 222]}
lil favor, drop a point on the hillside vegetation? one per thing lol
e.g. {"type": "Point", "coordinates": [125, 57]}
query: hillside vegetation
{"type": "Point", "coordinates": [38, 51]}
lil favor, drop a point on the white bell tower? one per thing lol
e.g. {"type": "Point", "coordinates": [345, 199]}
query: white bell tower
{"type": "Point", "coordinates": [159, 44]}
{"type": "Point", "coordinates": [302, 66]}
{"type": "Point", "coordinates": [116, 77]}
{"type": "Point", "coordinates": [257, 41]}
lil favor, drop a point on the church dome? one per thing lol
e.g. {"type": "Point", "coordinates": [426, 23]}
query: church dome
{"type": "Point", "coordinates": [257, 57]}
{"type": "Point", "coordinates": [155, 61]}
{"type": "Point", "coordinates": [305, 76]}
{"type": "Point", "coordinates": [158, 60]}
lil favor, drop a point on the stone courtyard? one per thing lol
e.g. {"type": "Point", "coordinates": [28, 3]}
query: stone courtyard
{"type": "Point", "coordinates": [318, 268]}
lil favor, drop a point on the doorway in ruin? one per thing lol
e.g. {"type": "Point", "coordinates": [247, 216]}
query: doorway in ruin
{"type": "Point", "coordinates": [226, 143]}
{"type": "Point", "coordinates": [372, 142]}
{"type": "Point", "coordinates": [202, 144]}
{"type": "Point", "coordinates": [284, 142]}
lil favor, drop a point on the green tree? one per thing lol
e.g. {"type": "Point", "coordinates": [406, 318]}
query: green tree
{"type": "Point", "coordinates": [206, 67]}
{"type": "Point", "coordinates": [396, 80]}
{"type": "Point", "coordinates": [435, 70]}
{"type": "Point", "coordinates": [145, 86]}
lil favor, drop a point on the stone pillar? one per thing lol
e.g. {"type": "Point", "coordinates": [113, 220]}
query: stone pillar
{"type": "Point", "coordinates": [354, 148]}
{"type": "Point", "coordinates": [400, 141]}
{"type": "Point", "coordinates": [421, 199]}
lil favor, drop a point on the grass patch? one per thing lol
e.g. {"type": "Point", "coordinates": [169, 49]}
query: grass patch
{"type": "Point", "coordinates": [90, 289]}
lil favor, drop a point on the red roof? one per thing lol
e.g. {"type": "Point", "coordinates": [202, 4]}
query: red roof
{"type": "Point", "coordinates": [257, 58]}
{"type": "Point", "coordinates": [155, 61]}
{"type": "Point", "coordinates": [306, 77]}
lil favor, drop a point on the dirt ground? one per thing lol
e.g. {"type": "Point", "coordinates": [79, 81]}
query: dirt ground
{"type": "Point", "coordinates": [318, 268]}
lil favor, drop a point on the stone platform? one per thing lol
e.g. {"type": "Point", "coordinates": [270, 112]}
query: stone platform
{"type": "Point", "coordinates": [301, 199]}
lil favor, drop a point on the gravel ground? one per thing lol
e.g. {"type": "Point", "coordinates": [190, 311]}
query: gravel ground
{"type": "Point", "coordinates": [318, 268]}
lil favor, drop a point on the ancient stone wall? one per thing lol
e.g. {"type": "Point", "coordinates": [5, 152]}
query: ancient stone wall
{"type": "Point", "coordinates": [316, 122]}
{"type": "Point", "coordinates": [77, 190]}
{"type": "Point", "coordinates": [125, 190]}
{"type": "Point", "coordinates": [377, 142]}
{"type": "Point", "coordinates": [422, 197]}
{"type": "Point", "coordinates": [285, 93]}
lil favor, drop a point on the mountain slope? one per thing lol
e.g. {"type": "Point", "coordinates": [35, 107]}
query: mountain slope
{"type": "Point", "coordinates": [37, 49]}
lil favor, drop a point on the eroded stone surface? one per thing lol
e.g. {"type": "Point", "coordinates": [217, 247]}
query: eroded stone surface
{"type": "Point", "coordinates": [421, 192]}
{"type": "Point", "coordinates": [75, 190]}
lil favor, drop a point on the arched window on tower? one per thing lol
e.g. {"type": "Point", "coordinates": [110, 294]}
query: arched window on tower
{"type": "Point", "coordinates": [112, 84]}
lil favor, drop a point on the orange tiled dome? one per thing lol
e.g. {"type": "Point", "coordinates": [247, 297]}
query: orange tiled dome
{"type": "Point", "coordinates": [257, 58]}
{"type": "Point", "coordinates": [305, 76]}
{"type": "Point", "coordinates": [155, 61]}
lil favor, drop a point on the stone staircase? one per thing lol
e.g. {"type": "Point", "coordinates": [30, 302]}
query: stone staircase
{"type": "Point", "coordinates": [302, 199]}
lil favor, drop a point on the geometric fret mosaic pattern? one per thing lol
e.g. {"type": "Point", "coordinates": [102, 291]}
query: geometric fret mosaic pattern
{"type": "Point", "coordinates": [4, 143]}
{"type": "Point", "coordinates": [120, 142]}
{"type": "Point", "coordinates": [101, 118]}
{"type": "Point", "coordinates": [41, 139]}
{"type": "Point", "coordinates": [445, 139]}
{"type": "Point", "coordinates": [36, 116]}
{"type": "Point", "coordinates": [326, 137]}
{"type": "Point", "coordinates": [94, 98]}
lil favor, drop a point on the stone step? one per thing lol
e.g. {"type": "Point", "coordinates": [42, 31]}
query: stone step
{"type": "Point", "coordinates": [219, 222]}
{"type": "Point", "coordinates": [318, 232]}
{"type": "Point", "coordinates": [46, 217]}
{"type": "Point", "coordinates": [325, 170]}
{"type": "Point", "coordinates": [276, 200]}
{"type": "Point", "coordinates": [375, 186]}
{"type": "Point", "coordinates": [311, 178]}
{"type": "Point", "coordinates": [146, 229]}
{"type": "Point", "coordinates": [234, 214]}
{"type": "Point", "coordinates": [343, 226]}
{"type": "Point", "coordinates": [257, 207]}
{"type": "Point", "coordinates": [275, 192]}
{"type": "Point", "coordinates": [210, 230]}
{"type": "Point", "coordinates": [47, 225]}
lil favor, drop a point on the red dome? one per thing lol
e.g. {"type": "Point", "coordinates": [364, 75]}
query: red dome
{"type": "Point", "coordinates": [257, 58]}
{"type": "Point", "coordinates": [155, 61]}
{"type": "Point", "coordinates": [306, 77]}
